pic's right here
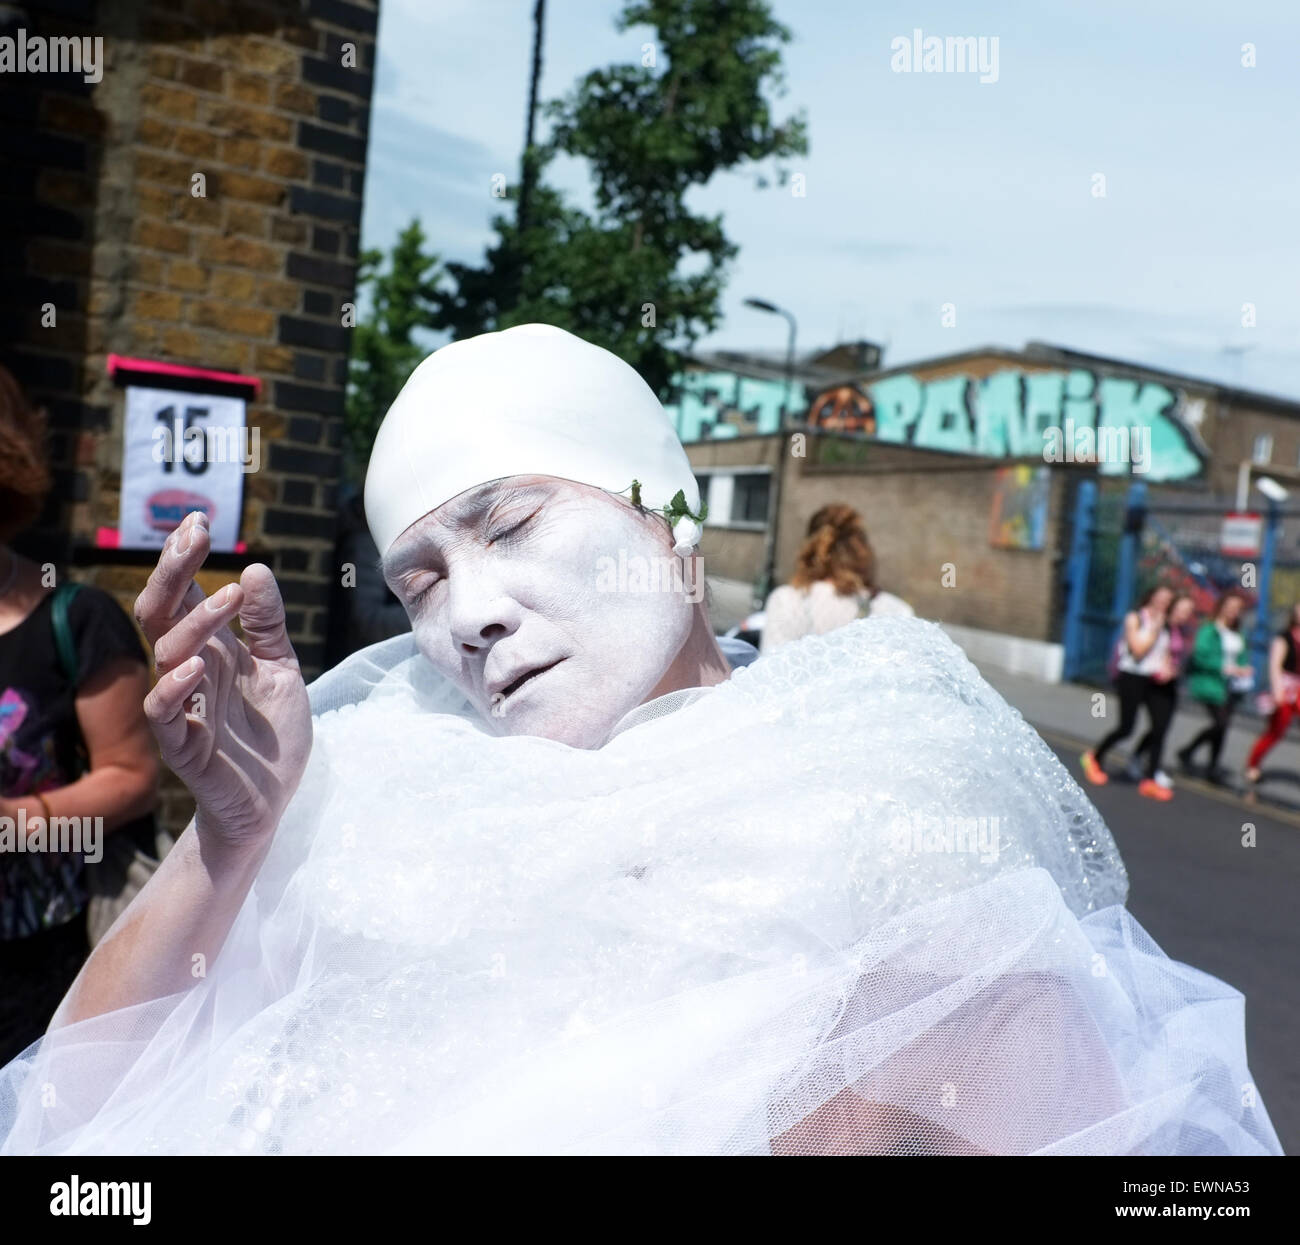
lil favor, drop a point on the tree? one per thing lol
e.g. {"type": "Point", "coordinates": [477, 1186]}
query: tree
{"type": "Point", "coordinates": [641, 275]}
{"type": "Point", "coordinates": [383, 350]}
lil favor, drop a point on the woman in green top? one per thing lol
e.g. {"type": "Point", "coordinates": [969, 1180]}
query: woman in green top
{"type": "Point", "coordinates": [1215, 678]}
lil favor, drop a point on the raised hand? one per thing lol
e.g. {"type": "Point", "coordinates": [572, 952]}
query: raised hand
{"type": "Point", "coordinates": [242, 746]}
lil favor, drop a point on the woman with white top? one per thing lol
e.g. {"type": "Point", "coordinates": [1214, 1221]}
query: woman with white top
{"type": "Point", "coordinates": [1217, 678]}
{"type": "Point", "coordinates": [833, 583]}
{"type": "Point", "coordinates": [1147, 668]}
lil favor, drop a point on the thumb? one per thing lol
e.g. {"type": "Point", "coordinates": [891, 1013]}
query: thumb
{"type": "Point", "coordinates": [261, 615]}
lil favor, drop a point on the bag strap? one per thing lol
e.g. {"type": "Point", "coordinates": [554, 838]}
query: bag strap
{"type": "Point", "coordinates": [67, 649]}
{"type": "Point", "coordinates": [63, 595]}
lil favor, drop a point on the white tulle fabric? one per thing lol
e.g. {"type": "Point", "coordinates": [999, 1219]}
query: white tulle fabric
{"type": "Point", "coordinates": [710, 936]}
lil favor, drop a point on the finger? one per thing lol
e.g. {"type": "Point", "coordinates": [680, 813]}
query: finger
{"type": "Point", "coordinates": [164, 706]}
{"type": "Point", "coordinates": [168, 587]}
{"type": "Point", "coordinates": [188, 636]}
{"type": "Point", "coordinates": [262, 615]}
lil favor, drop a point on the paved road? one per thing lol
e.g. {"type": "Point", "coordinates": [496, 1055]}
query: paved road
{"type": "Point", "coordinates": [1230, 910]}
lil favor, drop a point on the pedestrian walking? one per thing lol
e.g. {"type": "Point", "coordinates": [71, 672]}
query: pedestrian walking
{"type": "Point", "coordinates": [1146, 676]}
{"type": "Point", "coordinates": [1181, 622]}
{"type": "Point", "coordinates": [1218, 680]}
{"type": "Point", "coordinates": [1284, 687]}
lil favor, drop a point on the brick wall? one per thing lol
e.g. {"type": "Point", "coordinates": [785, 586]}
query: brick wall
{"type": "Point", "coordinates": [923, 512]}
{"type": "Point", "coordinates": [103, 226]}
{"type": "Point", "coordinates": [922, 509]}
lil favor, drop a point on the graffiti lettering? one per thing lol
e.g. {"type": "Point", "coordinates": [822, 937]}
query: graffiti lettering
{"type": "Point", "coordinates": [1022, 414]}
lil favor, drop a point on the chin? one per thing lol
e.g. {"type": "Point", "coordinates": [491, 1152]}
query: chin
{"type": "Point", "coordinates": [563, 729]}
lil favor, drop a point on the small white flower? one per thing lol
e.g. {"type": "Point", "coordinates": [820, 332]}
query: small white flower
{"type": "Point", "coordinates": [686, 535]}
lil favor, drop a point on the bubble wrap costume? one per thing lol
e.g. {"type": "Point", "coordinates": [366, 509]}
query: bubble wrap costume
{"type": "Point", "coordinates": [761, 923]}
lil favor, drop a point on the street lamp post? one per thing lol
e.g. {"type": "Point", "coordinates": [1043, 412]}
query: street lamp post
{"type": "Point", "coordinates": [759, 304]}
{"type": "Point", "coordinates": [778, 476]}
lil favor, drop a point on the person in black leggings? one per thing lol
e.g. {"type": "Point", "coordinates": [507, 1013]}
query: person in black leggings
{"type": "Point", "coordinates": [1147, 671]}
{"type": "Point", "coordinates": [1217, 680]}
{"type": "Point", "coordinates": [1162, 697]}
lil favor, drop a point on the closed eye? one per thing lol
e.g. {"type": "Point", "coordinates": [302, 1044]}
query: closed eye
{"type": "Point", "coordinates": [430, 585]}
{"type": "Point", "coordinates": [510, 531]}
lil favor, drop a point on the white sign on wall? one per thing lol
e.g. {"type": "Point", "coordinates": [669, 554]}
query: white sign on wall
{"type": "Point", "coordinates": [1241, 535]}
{"type": "Point", "coordinates": [182, 452]}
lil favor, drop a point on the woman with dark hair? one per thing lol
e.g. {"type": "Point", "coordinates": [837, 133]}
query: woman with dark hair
{"type": "Point", "coordinates": [1164, 694]}
{"type": "Point", "coordinates": [1284, 691]}
{"type": "Point", "coordinates": [834, 582]}
{"type": "Point", "coordinates": [1217, 679]}
{"type": "Point", "coordinates": [1147, 671]}
{"type": "Point", "coordinates": [74, 744]}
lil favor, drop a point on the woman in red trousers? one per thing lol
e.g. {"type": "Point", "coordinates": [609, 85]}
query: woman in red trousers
{"type": "Point", "coordinates": [1284, 686]}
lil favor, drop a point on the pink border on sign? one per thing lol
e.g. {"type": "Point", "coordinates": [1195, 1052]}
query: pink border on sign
{"type": "Point", "coordinates": [120, 363]}
{"type": "Point", "coordinates": [111, 538]}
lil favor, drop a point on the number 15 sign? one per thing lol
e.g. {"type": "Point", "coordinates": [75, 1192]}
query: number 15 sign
{"type": "Point", "coordinates": [183, 451]}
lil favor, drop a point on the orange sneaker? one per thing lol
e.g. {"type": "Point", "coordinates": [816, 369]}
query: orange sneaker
{"type": "Point", "coordinates": [1153, 790]}
{"type": "Point", "coordinates": [1092, 771]}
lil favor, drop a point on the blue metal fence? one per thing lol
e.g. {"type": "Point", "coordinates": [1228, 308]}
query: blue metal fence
{"type": "Point", "coordinates": [1122, 543]}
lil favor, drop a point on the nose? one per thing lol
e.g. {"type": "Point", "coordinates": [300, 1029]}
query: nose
{"type": "Point", "coordinates": [480, 611]}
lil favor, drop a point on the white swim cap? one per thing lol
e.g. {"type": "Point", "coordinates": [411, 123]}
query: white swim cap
{"type": "Point", "coordinates": [531, 400]}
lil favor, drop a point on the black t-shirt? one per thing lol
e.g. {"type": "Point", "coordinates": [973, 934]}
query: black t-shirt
{"type": "Point", "coordinates": [1291, 659]}
{"type": "Point", "coordinates": [39, 737]}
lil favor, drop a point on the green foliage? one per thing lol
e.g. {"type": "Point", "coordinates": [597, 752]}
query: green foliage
{"type": "Point", "coordinates": [383, 350]}
{"type": "Point", "coordinates": [642, 275]}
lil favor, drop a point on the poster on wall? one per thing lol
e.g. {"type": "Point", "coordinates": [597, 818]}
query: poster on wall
{"type": "Point", "coordinates": [182, 451]}
{"type": "Point", "coordinates": [1019, 519]}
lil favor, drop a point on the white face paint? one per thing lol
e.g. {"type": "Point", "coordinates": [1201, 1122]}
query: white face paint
{"type": "Point", "coordinates": [506, 596]}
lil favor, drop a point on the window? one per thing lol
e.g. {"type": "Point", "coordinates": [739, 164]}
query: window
{"type": "Point", "coordinates": [1263, 448]}
{"type": "Point", "coordinates": [749, 498]}
{"type": "Point", "coordinates": [702, 483]}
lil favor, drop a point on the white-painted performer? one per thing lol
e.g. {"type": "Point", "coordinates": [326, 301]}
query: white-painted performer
{"type": "Point", "coordinates": [555, 873]}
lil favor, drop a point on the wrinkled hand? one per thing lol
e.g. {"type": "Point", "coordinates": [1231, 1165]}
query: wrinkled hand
{"type": "Point", "coordinates": [240, 748]}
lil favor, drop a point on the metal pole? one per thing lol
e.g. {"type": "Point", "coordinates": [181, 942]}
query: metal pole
{"type": "Point", "coordinates": [768, 582]}
{"type": "Point", "coordinates": [1259, 640]}
{"type": "Point", "coordinates": [1134, 518]}
{"type": "Point", "coordinates": [1085, 510]}
{"type": "Point", "coordinates": [789, 369]}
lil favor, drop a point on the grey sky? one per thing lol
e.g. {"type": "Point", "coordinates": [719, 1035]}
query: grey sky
{"type": "Point", "coordinates": [932, 188]}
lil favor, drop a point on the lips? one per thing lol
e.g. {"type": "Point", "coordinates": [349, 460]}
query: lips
{"type": "Point", "coordinates": [521, 676]}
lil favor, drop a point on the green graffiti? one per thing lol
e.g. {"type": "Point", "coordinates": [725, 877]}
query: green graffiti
{"type": "Point", "coordinates": [1010, 413]}
{"type": "Point", "coordinates": [726, 404]}
{"type": "Point", "coordinates": [1017, 414]}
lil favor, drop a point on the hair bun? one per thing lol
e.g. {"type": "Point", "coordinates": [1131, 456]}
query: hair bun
{"type": "Point", "coordinates": [841, 519]}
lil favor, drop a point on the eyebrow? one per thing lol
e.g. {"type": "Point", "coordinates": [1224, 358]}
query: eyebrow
{"type": "Point", "coordinates": [465, 514]}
